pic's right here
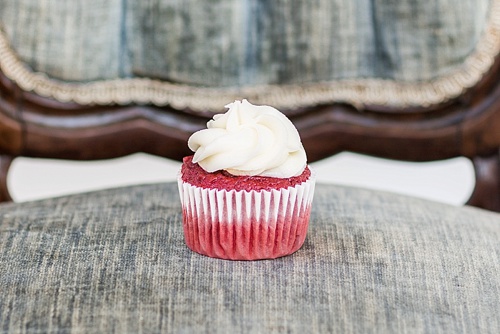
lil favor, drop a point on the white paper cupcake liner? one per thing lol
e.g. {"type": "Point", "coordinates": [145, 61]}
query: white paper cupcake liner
{"type": "Point", "coordinates": [242, 225]}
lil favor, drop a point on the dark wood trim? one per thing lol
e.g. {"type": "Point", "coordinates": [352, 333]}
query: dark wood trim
{"type": "Point", "coordinates": [5, 162]}
{"type": "Point", "coordinates": [35, 126]}
{"type": "Point", "coordinates": [487, 191]}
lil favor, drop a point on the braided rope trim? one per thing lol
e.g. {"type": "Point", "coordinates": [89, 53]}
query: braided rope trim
{"type": "Point", "coordinates": [358, 92]}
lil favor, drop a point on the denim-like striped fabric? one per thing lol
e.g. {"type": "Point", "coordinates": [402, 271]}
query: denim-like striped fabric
{"type": "Point", "coordinates": [115, 261]}
{"type": "Point", "coordinates": [229, 43]}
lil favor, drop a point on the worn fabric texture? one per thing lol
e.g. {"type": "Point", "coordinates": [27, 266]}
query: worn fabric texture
{"type": "Point", "coordinates": [243, 43]}
{"type": "Point", "coordinates": [291, 54]}
{"type": "Point", "coordinates": [115, 261]}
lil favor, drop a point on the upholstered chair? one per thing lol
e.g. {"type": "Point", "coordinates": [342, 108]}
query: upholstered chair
{"type": "Point", "coordinates": [406, 80]}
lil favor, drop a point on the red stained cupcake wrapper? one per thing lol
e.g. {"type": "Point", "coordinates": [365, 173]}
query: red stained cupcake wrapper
{"type": "Point", "coordinates": [241, 225]}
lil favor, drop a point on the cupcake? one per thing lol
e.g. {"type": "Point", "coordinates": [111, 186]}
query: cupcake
{"type": "Point", "coordinates": [247, 191]}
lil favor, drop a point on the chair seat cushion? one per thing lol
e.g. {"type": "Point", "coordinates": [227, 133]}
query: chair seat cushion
{"type": "Point", "coordinates": [115, 261]}
{"type": "Point", "coordinates": [229, 46]}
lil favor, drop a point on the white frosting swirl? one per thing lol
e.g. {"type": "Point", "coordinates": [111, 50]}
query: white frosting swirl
{"type": "Point", "coordinates": [249, 140]}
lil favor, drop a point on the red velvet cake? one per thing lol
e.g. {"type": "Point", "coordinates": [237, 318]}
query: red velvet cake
{"type": "Point", "coordinates": [195, 175]}
{"type": "Point", "coordinates": [257, 205]}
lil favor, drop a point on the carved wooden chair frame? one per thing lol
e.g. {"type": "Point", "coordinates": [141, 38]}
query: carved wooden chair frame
{"type": "Point", "coordinates": [35, 124]}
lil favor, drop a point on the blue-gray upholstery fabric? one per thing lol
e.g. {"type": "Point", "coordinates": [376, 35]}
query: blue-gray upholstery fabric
{"type": "Point", "coordinates": [229, 43]}
{"type": "Point", "coordinates": [373, 262]}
